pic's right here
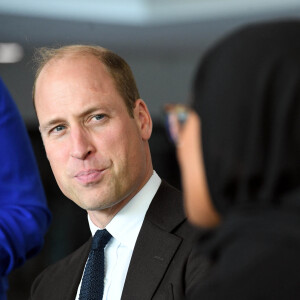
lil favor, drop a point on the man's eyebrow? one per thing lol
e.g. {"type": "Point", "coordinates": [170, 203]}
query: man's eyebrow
{"type": "Point", "coordinates": [51, 123]}
{"type": "Point", "coordinates": [56, 121]}
{"type": "Point", "coordinates": [89, 111]}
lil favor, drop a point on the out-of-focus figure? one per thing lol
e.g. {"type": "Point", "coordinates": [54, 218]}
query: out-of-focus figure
{"type": "Point", "coordinates": [239, 153]}
{"type": "Point", "coordinates": [24, 216]}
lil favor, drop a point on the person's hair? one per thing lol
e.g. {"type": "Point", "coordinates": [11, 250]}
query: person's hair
{"type": "Point", "coordinates": [115, 65]}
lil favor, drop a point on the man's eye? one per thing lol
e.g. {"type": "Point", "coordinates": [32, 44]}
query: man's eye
{"type": "Point", "coordinates": [58, 128]}
{"type": "Point", "coordinates": [99, 117]}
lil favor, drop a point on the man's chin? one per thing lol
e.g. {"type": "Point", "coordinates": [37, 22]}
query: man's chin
{"type": "Point", "coordinates": [96, 206]}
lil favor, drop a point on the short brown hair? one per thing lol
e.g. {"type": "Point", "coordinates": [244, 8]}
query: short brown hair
{"type": "Point", "coordinates": [116, 66]}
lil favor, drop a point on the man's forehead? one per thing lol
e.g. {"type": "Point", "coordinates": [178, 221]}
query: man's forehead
{"type": "Point", "coordinates": [69, 65]}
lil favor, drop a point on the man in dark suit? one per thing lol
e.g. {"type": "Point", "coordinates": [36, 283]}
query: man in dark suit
{"type": "Point", "coordinates": [95, 129]}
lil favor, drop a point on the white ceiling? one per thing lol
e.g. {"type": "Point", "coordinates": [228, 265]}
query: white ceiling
{"type": "Point", "coordinates": [161, 39]}
{"type": "Point", "coordinates": [147, 25]}
{"type": "Point", "coordinates": [144, 12]}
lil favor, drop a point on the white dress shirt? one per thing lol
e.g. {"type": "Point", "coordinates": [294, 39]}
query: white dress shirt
{"type": "Point", "coordinates": [124, 228]}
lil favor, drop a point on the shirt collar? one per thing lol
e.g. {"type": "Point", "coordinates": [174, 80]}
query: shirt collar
{"type": "Point", "coordinates": [126, 224]}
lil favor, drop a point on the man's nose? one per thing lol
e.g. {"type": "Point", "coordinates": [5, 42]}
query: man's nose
{"type": "Point", "coordinates": [81, 144]}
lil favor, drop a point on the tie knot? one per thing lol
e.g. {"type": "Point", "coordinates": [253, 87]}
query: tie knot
{"type": "Point", "coordinates": [100, 239]}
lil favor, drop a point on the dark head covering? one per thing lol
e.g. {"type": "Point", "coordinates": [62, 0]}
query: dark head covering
{"type": "Point", "coordinates": [247, 93]}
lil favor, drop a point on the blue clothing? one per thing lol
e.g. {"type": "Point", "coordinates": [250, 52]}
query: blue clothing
{"type": "Point", "coordinates": [24, 216]}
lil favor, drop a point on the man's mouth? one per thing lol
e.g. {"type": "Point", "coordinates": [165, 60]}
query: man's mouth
{"type": "Point", "coordinates": [89, 176]}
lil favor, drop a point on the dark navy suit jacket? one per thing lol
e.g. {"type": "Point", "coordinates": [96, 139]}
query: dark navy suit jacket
{"type": "Point", "coordinates": [163, 266]}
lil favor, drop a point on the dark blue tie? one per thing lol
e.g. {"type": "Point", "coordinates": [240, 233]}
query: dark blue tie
{"type": "Point", "coordinates": [92, 285]}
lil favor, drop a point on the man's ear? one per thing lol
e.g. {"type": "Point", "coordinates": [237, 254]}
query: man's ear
{"type": "Point", "coordinates": [143, 119]}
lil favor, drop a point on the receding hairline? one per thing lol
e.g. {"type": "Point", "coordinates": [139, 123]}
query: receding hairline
{"type": "Point", "coordinates": [109, 59]}
{"type": "Point", "coordinates": [56, 61]}
{"type": "Point", "coordinates": [44, 56]}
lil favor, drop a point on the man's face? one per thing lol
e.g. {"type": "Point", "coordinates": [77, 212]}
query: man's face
{"type": "Point", "coordinates": [98, 153]}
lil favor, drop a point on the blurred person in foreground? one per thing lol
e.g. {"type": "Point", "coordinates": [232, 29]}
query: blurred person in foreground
{"type": "Point", "coordinates": [95, 129]}
{"type": "Point", "coordinates": [24, 216]}
{"type": "Point", "coordinates": [239, 153]}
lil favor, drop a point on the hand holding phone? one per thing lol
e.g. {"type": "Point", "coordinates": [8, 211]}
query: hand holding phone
{"type": "Point", "coordinates": [176, 116]}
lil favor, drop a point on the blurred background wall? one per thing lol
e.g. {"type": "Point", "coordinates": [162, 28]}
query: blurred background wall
{"type": "Point", "coordinates": [162, 40]}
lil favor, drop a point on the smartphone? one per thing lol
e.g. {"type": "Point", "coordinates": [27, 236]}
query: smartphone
{"type": "Point", "coordinates": [175, 118]}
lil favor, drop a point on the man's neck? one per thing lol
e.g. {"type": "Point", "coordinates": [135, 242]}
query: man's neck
{"type": "Point", "coordinates": [102, 217]}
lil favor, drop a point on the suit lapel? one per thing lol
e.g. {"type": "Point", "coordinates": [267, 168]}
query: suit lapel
{"type": "Point", "coordinates": [72, 272]}
{"type": "Point", "coordinates": [155, 246]}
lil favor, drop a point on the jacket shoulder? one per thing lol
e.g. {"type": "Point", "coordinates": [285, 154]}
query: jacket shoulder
{"type": "Point", "coordinates": [61, 279]}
